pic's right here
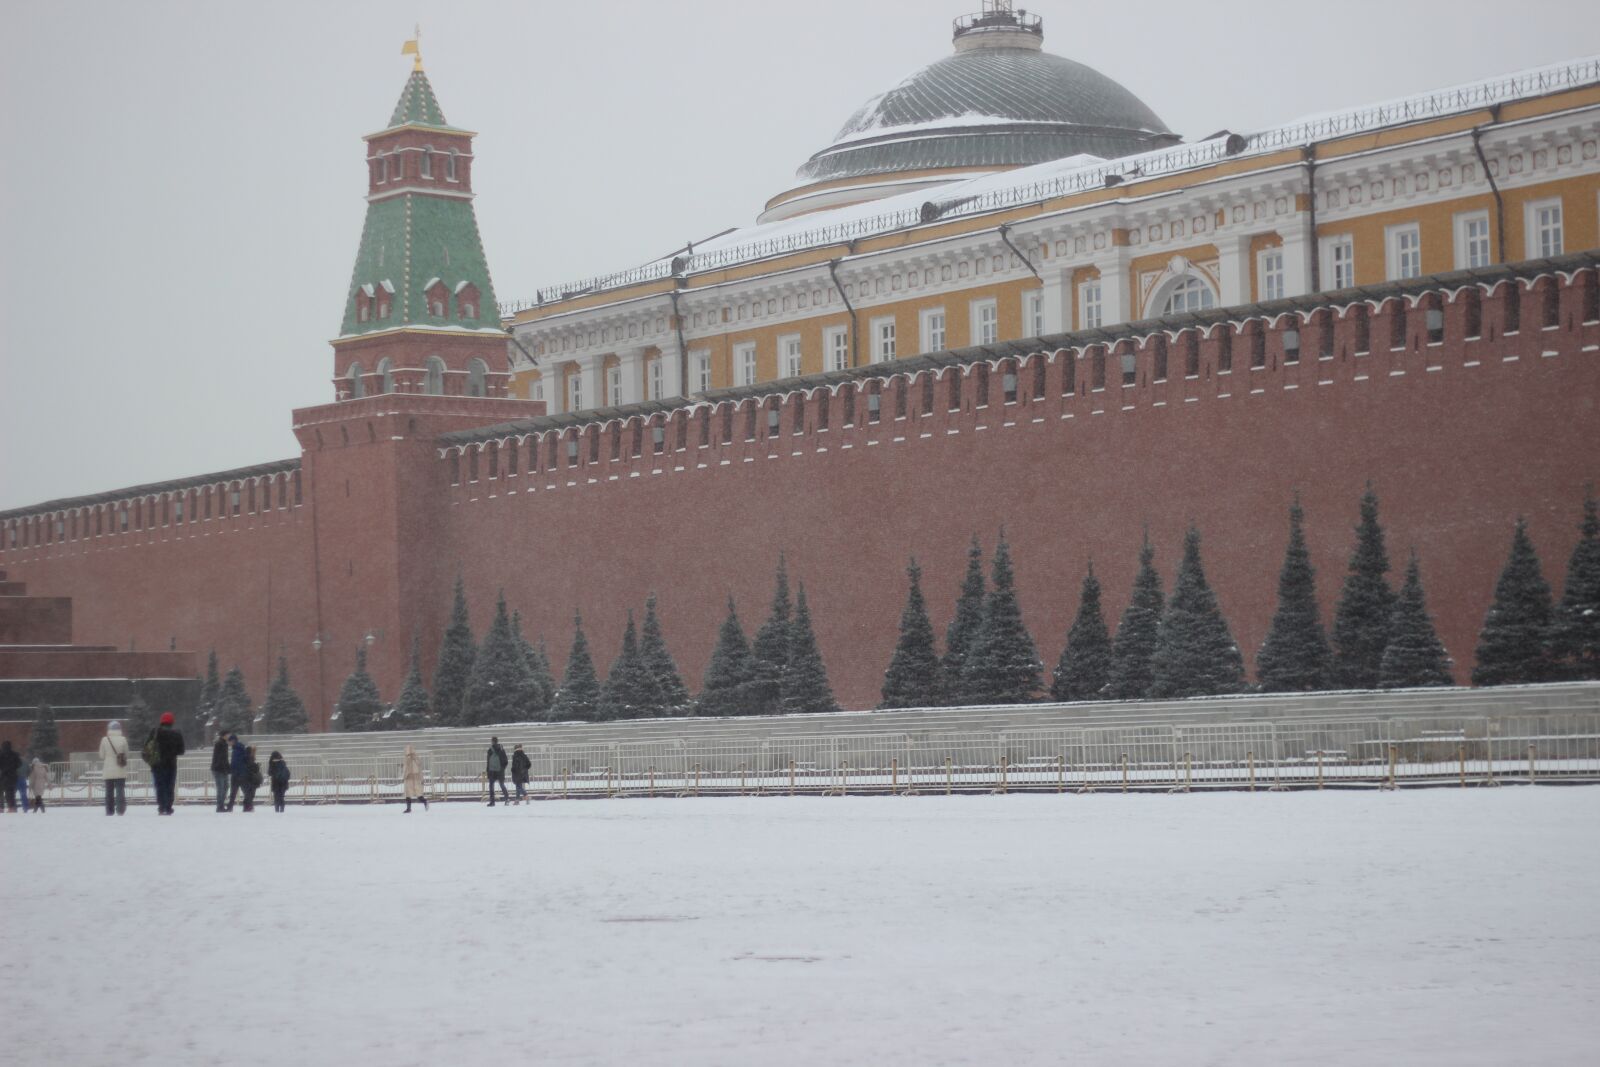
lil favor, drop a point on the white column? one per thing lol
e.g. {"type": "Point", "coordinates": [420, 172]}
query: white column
{"type": "Point", "coordinates": [1116, 294]}
{"type": "Point", "coordinates": [671, 358]}
{"type": "Point", "coordinates": [1297, 253]}
{"type": "Point", "coordinates": [1233, 269]}
{"type": "Point", "coordinates": [589, 374]}
{"type": "Point", "coordinates": [1057, 298]}
{"type": "Point", "coordinates": [630, 366]}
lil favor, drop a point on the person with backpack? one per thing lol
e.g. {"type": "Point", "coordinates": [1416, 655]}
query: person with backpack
{"type": "Point", "coordinates": [278, 775]}
{"type": "Point", "coordinates": [162, 752]}
{"type": "Point", "coordinates": [495, 764]}
{"type": "Point", "coordinates": [220, 768]}
{"type": "Point", "coordinates": [411, 775]}
{"type": "Point", "coordinates": [38, 782]}
{"type": "Point", "coordinates": [114, 768]}
{"type": "Point", "coordinates": [520, 766]}
{"type": "Point", "coordinates": [10, 765]}
{"type": "Point", "coordinates": [238, 769]}
{"type": "Point", "coordinates": [252, 778]}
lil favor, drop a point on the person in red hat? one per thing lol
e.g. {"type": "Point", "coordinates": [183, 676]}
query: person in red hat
{"type": "Point", "coordinates": [169, 746]}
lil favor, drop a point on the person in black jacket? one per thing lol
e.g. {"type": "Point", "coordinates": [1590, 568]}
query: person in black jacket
{"type": "Point", "coordinates": [495, 764]}
{"type": "Point", "coordinates": [520, 766]}
{"type": "Point", "coordinates": [278, 776]}
{"type": "Point", "coordinates": [10, 765]}
{"type": "Point", "coordinates": [169, 746]}
{"type": "Point", "coordinates": [238, 768]}
{"type": "Point", "coordinates": [252, 778]}
{"type": "Point", "coordinates": [219, 768]}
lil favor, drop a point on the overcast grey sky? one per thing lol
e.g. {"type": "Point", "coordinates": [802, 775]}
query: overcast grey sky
{"type": "Point", "coordinates": [183, 181]}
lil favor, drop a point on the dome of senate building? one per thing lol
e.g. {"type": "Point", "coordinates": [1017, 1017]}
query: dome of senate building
{"type": "Point", "coordinates": [1000, 101]}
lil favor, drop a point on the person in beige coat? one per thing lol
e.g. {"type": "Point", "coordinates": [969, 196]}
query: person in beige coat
{"type": "Point", "coordinates": [38, 782]}
{"type": "Point", "coordinates": [411, 771]}
{"type": "Point", "coordinates": [114, 768]}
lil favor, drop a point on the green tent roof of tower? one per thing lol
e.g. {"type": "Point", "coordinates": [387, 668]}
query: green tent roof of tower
{"type": "Point", "coordinates": [417, 105]}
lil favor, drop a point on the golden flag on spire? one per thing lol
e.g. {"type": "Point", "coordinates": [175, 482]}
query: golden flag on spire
{"type": "Point", "coordinates": [413, 48]}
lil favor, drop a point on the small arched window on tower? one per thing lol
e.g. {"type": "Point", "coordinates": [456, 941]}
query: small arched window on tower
{"type": "Point", "coordinates": [385, 298]}
{"type": "Point", "coordinates": [358, 388]}
{"type": "Point", "coordinates": [450, 170]}
{"type": "Point", "coordinates": [477, 378]}
{"type": "Point", "coordinates": [427, 162]}
{"type": "Point", "coordinates": [438, 297]}
{"type": "Point", "coordinates": [386, 375]}
{"type": "Point", "coordinates": [434, 386]}
{"type": "Point", "coordinates": [364, 303]}
{"type": "Point", "coordinates": [466, 301]}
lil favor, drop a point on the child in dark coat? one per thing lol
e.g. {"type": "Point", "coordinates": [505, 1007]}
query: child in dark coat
{"type": "Point", "coordinates": [278, 776]}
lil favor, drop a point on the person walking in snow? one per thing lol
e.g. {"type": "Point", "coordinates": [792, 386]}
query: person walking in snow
{"type": "Point", "coordinates": [10, 765]}
{"type": "Point", "coordinates": [38, 782]}
{"type": "Point", "coordinates": [411, 775]}
{"type": "Point", "coordinates": [238, 769]}
{"type": "Point", "coordinates": [114, 768]}
{"type": "Point", "coordinates": [495, 764]}
{"type": "Point", "coordinates": [169, 746]}
{"type": "Point", "coordinates": [520, 766]}
{"type": "Point", "coordinates": [278, 775]}
{"type": "Point", "coordinates": [220, 768]}
{"type": "Point", "coordinates": [252, 778]}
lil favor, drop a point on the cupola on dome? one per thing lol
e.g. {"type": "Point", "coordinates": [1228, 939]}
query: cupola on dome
{"type": "Point", "coordinates": [1000, 101]}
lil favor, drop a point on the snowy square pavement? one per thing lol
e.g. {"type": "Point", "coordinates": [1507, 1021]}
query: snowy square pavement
{"type": "Point", "coordinates": [1427, 927]}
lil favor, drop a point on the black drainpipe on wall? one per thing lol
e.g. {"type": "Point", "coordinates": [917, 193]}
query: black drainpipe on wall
{"type": "Point", "coordinates": [1494, 187]}
{"type": "Point", "coordinates": [833, 272]}
{"type": "Point", "coordinates": [683, 352]}
{"type": "Point", "coordinates": [1311, 197]}
{"type": "Point", "coordinates": [1004, 236]}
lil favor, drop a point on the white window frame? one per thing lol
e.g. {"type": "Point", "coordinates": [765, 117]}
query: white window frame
{"type": "Point", "coordinates": [836, 347]}
{"type": "Point", "coordinates": [1091, 305]}
{"type": "Point", "coordinates": [1033, 313]}
{"type": "Point", "coordinates": [1338, 261]}
{"type": "Point", "coordinates": [1466, 243]}
{"type": "Point", "coordinates": [614, 385]}
{"type": "Point", "coordinates": [744, 363]}
{"type": "Point", "coordinates": [575, 391]}
{"type": "Point", "coordinates": [932, 324]}
{"type": "Point", "coordinates": [701, 362]}
{"type": "Point", "coordinates": [536, 389]}
{"type": "Point", "coordinates": [658, 378]}
{"type": "Point", "coordinates": [985, 322]}
{"type": "Point", "coordinates": [1270, 275]}
{"type": "Point", "coordinates": [791, 355]}
{"type": "Point", "coordinates": [1403, 251]}
{"type": "Point", "coordinates": [1537, 229]}
{"type": "Point", "coordinates": [883, 339]}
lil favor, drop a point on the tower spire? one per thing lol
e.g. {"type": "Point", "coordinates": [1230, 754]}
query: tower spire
{"type": "Point", "coordinates": [413, 48]}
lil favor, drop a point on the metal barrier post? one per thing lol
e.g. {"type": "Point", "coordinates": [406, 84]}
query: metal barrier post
{"type": "Point", "coordinates": [566, 776]}
{"type": "Point", "coordinates": [1250, 756]}
{"type": "Point", "coordinates": [1461, 755]}
{"type": "Point", "coordinates": [1061, 772]}
{"type": "Point", "coordinates": [791, 777]}
{"type": "Point", "coordinates": [652, 781]}
{"type": "Point", "coordinates": [1319, 768]}
{"type": "Point", "coordinates": [1393, 752]}
{"type": "Point", "coordinates": [1188, 777]}
{"type": "Point", "coordinates": [894, 774]}
{"type": "Point", "coordinates": [741, 779]}
{"type": "Point", "coordinates": [844, 778]}
{"type": "Point", "coordinates": [949, 775]}
{"type": "Point", "coordinates": [1002, 774]}
{"type": "Point", "coordinates": [609, 792]}
{"type": "Point", "coordinates": [697, 779]}
{"type": "Point", "coordinates": [372, 781]}
{"type": "Point", "coordinates": [483, 783]}
{"type": "Point", "coordinates": [1124, 772]}
{"type": "Point", "coordinates": [1532, 772]}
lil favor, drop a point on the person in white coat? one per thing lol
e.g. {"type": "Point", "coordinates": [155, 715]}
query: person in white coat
{"type": "Point", "coordinates": [411, 772]}
{"type": "Point", "coordinates": [114, 768]}
{"type": "Point", "coordinates": [38, 782]}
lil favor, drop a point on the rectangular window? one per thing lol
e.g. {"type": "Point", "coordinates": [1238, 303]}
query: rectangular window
{"type": "Point", "coordinates": [658, 378]}
{"type": "Point", "coordinates": [874, 404]}
{"type": "Point", "coordinates": [1008, 384]}
{"type": "Point", "coordinates": [836, 345]}
{"type": "Point", "coordinates": [701, 364]}
{"type": "Point", "coordinates": [789, 353]}
{"type": "Point", "coordinates": [614, 385]}
{"type": "Point", "coordinates": [1472, 240]}
{"type": "Point", "coordinates": [1544, 229]}
{"type": "Point", "coordinates": [1270, 268]}
{"type": "Point", "coordinates": [575, 392]}
{"type": "Point", "coordinates": [985, 322]}
{"type": "Point", "coordinates": [1033, 313]}
{"type": "Point", "coordinates": [1338, 262]}
{"type": "Point", "coordinates": [536, 389]}
{"type": "Point", "coordinates": [1090, 315]}
{"type": "Point", "coordinates": [658, 438]}
{"type": "Point", "coordinates": [1130, 373]}
{"type": "Point", "coordinates": [882, 340]}
{"type": "Point", "coordinates": [933, 330]}
{"type": "Point", "coordinates": [1405, 252]}
{"type": "Point", "coordinates": [744, 363]}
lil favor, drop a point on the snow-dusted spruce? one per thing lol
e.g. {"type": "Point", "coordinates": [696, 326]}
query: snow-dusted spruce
{"type": "Point", "coordinates": [500, 687]}
{"type": "Point", "coordinates": [1195, 652]}
{"type": "Point", "coordinates": [541, 688]}
{"type": "Point", "coordinates": [44, 742]}
{"type": "Point", "coordinates": [579, 695]}
{"type": "Point", "coordinates": [412, 710]}
{"type": "Point", "coordinates": [1577, 641]}
{"type": "Point", "coordinates": [1295, 656]}
{"type": "Point", "coordinates": [1415, 656]}
{"type": "Point", "coordinates": [1002, 665]}
{"type": "Point", "coordinates": [455, 662]}
{"type": "Point", "coordinates": [670, 695]}
{"type": "Point", "coordinates": [235, 710]}
{"type": "Point", "coordinates": [284, 712]}
{"type": "Point", "coordinates": [1133, 653]}
{"type": "Point", "coordinates": [915, 677]}
{"type": "Point", "coordinates": [1085, 664]}
{"type": "Point", "coordinates": [1366, 605]}
{"type": "Point", "coordinates": [769, 652]}
{"type": "Point", "coordinates": [1514, 645]}
{"type": "Point", "coordinates": [545, 677]}
{"type": "Point", "coordinates": [360, 706]}
{"type": "Point", "coordinates": [805, 688]}
{"type": "Point", "coordinates": [963, 628]}
{"type": "Point", "coordinates": [730, 672]}
{"type": "Point", "coordinates": [141, 718]}
{"type": "Point", "coordinates": [205, 713]}
{"type": "Point", "coordinates": [627, 693]}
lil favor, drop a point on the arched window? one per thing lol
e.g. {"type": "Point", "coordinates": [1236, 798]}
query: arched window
{"type": "Point", "coordinates": [435, 382]}
{"type": "Point", "coordinates": [450, 166]}
{"type": "Point", "coordinates": [477, 377]}
{"type": "Point", "coordinates": [1189, 293]}
{"type": "Point", "coordinates": [386, 374]}
{"type": "Point", "coordinates": [358, 388]}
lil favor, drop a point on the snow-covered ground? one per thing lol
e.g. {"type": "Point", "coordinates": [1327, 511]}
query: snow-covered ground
{"type": "Point", "coordinates": [1429, 927]}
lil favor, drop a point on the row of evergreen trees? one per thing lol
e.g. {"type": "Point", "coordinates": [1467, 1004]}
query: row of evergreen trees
{"type": "Point", "coordinates": [1179, 647]}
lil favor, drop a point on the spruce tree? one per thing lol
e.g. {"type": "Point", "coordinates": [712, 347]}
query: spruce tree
{"type": "Point", "coordinates": [284, 711]}
{"type": "Point", "coordinates": [628, 690]}
{"type": "Point", "coordinates": [541, 688]}
{"type": "Point", "coordinates": [770, 650]}
{"type": "Point", "coordinates": [670, 695]}
{"type": "Point", "coordinates": [1415, 656]}
{"type": "Point", "coordinates": [235, 713]}
{"type": "Point", "coordinates": [731, 670]}
{"type": "Point", "coordinates": [360, 707]}
{"type": "Point", "coordinates": [141, 718]}
{"type": "Point", "coordinates": [805, 682]}
{"type": "Point", "coordinates": [544, 679]}
{"type": "Point", "coordinates": [1295, 656]}
{"type": "Point", "coordinates": [499, 689]}
{"type": "Point", "coordinates": [44, 741]}
{"type": "Point", "coordinates": [1195, 652]}
{"type": "Point", "coordinates": [1577, 629]}
{"type": "Point", "coordinates": [1514, 645]}
{"type": "Point", "coordinates": [1084, 668]}
{"type": "Point", "coordinates": [915, 676]}
{"type": "Point", "coordinates": [454, 671]}
{"type": "Point", "coordinates": [413, 710]}
{"type": "Point", "coordinates": [579, 695]}
{"type": "Point", "coordinates": [1002, 665]}
{"type": "Point", "coordinates": [963, 628]}
{"type": "Point", "coordinates": [1366, 605]}
{"type": "Point", "coordinates": [206, 711]}
{"type": "Point", "coordinates": [1133, 653]}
